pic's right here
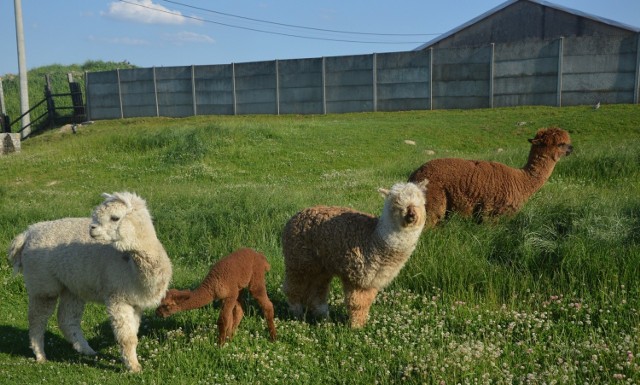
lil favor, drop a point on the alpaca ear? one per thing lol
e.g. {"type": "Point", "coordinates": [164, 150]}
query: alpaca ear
{"type": "Point", "coordinates": [534, 141]}
{"type": "Point", "coordinates": [384, 192]}
{"type": "Point", "coordinates": [107, 196]}
{"type": "Point", "coordinates": [124, 198]}
{"type": "Point", "coordinates": [423, 184]}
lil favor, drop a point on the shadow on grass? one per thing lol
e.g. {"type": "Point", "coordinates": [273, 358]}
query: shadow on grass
{"type": "Point", "coordinates": [57, 349]}
{"type": "Point", "coordinates": [156, 327]}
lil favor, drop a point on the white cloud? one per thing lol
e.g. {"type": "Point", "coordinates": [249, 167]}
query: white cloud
{"type": "Point", "coordinates": [188, 37]}
{"type": "Point", "coordinates": [119, 40]}
{"type": "Point", "coordinates": [145, 11]}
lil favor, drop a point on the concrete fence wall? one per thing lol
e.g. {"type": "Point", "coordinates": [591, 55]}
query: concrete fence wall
{"type": "Point", "coordinates": [560, 72]}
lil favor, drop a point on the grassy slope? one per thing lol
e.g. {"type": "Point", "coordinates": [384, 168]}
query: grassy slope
{"type": "Point", "coordinates": [536, 295]}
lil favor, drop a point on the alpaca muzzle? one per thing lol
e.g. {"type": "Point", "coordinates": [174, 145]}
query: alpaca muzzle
{"type": "Point", "coordinates": [411, 215]}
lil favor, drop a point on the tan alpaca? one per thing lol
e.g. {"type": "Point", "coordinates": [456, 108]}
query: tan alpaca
{"type": "Point", "coordinates": [488, 189]}
{"type": "Point", "coordinates": [114, 258]}
{"type": "Point", "coordinates": [365, 252]}
{"type": "Point", "coordinates": [244, 268]}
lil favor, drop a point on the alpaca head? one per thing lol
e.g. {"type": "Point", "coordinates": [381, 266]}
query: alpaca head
{"type": "Point", "coordinates": [120, 219]}
{"type": "Point", "coordinates": [553, 142]}
{"type": "Point", "coordinates": [404, 204]}
{"type": "Point", "coordinates": [170, 304]}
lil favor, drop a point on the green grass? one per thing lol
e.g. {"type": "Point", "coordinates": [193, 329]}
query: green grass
{"type": "Point", "coordinates": [550, 295]}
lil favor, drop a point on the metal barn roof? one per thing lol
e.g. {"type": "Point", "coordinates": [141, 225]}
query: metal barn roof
{"type": "Point", "coordinates": [540, 2]}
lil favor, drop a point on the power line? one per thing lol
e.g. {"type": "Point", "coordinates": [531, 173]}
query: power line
{"type": "Point", "coordinates": [265, 31]}
{"type": "Point", "coordinates": [298, 26]}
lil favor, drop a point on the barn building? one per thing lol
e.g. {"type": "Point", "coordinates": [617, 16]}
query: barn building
{"type": "Point", "coordinates": [532, 52]}
{"type": "Point", "coordinates": [525, 20]}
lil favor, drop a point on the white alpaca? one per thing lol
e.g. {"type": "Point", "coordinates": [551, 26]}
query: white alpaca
{"type": "Point", "coordinates": [365, 252]}
{"type": "Point", "coordinates": [114, 258]}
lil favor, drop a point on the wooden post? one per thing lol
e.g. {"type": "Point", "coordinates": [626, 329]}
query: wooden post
{"type": "Point", "coordinates": [76, 99]}
{"type": "Point", "coordinates": [51, 106]}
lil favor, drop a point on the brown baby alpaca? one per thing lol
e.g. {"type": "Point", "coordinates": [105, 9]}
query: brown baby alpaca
{"type": "Point", "coordinates": [244, 268]}
{"type": "Point", "coordinates": [489, 189]}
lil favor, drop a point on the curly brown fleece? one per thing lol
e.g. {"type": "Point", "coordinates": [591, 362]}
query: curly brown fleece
{"type": "Point", "coordinates": [488, 189]}
{"type": "Point", "coordinates": [365, 252]}
{"type": "Point", "coordinates": [244, 268]}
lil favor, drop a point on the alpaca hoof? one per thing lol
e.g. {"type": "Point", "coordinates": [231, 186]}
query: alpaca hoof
{"type": "Point", "coordinates": [84, 349]}
{"type": "Point", "coordinates": [297, 310]}
{"type": "Point", "coordinates": [356, 323]}
{"type": "Point", "coordinates": [89, 352]}
{"type": "Point", "coordinates": [135, 369]}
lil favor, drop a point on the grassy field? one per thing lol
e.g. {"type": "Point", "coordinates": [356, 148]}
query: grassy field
{"type": "Point", "coordinates": [548, 296]}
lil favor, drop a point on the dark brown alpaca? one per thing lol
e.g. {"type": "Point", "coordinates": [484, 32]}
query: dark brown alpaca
{"type": "Point", "coordinates": [488, 189]}
{"type": "Point", "coordinates": [244, 268]}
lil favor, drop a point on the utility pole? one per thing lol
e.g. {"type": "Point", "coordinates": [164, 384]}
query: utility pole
{"type": "Point", "coordinates": [22, 65]}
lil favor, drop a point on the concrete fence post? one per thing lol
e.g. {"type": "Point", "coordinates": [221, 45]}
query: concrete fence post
{"type": "Point", "coordinates": [233, 86]}
{"type": "Point", "coordinates": [120, 94]}
{"type": "Point", "coordinates": [277, 62]}
{"type": "Point", "coordinates": [324, 86]}
{"type": "Point", "coordinates": [155, 91]}
{"type": "Point", "coordinates": [636, 90]}
{"type": "Point", "coordinates": [560, 63]}
{"type": "Point", "coordinates": [86, 95]}
{"type": "Point", "coordinates": [193, 90]}
{"type": "Point", "coordinates": [431, 78]}
{"type": "Point", "coordinates": [375, 81]}
{"type": "Point", "coordinates": [492, 62]}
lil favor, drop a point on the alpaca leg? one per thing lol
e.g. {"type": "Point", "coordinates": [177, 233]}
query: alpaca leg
{"type": "Point", "coordinates": [318, 296]}
{"type": "Point", "coordinates": [125, 321]}
{"type": "Point", "coordinates": [70, 311]}
{"type": "Point", "coordinates": [225, 320]}
{"type": "Point", "coordinates": [296, 287]}
{"type": "Point", "coordinates": [40, 309]}
{"type": "Point", "coordinates": [258, 290]}
{"type": "Point", "coordinates": [358, 302]}
{"type": "Point", "coordinates": [238, 313]}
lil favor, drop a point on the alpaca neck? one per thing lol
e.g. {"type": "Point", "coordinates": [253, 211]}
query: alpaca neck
{"type": "Point", "coordinates": [141, 240]}
{"type": "Point", "coordinates": [391, 248]}
{"type": "Point", "coordinates": [196, 299]}
{"type": "Point", "coordinates": [390, 237]}
{"type": "Point", "coordinates": [148, 255]}
{"type": "Point", "coordinates": [538, 169]}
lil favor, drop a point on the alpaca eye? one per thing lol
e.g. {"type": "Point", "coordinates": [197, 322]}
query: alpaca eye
{"type": "Point", "coordinates": [115, 218]}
